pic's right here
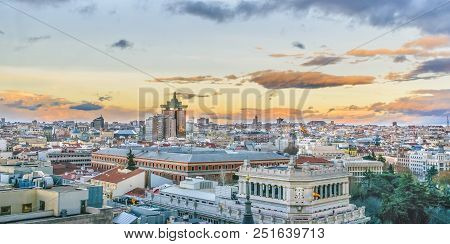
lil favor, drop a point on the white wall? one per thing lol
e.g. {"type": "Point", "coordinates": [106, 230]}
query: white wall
{"type": "Point", "coordinates": [137, 181]}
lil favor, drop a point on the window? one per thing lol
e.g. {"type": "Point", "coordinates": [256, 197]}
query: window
{"type": "Point", "coordinates": [41, 205]}
{"type": "Point", "coordinates": [27, 208]}
{"type": "Point", "coordinates": [83, 206]}
{"type": "Point", "coordinates": [6, 210]}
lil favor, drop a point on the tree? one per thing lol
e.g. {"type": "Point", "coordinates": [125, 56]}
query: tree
{"type": "Point", "coordinates": [131, 164]}
{"type": "Point", "coordinates": [390, 169]}
{"type": "Point", "coordinates": [407, 204]}
{"type": "Point", "coordinates": [443, 178]}
{"type": "Point", "coordinates": [401, 198]}
{"type": "Point", "coordinates": [431, 172]}
{"type": "Point", "coordinates": [371, 156]}
{"type": "Point", "coordinates": [291, 150]}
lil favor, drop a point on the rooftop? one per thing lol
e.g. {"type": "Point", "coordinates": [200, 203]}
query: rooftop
{"type": "Point", "coordinates": [311, 160]}
{"type": "Point", "coordinates": [193, 154]}
{"type": "Point", "coordinates": [189, 193]}
{"type": "Point", "coordinates": [117, 175]}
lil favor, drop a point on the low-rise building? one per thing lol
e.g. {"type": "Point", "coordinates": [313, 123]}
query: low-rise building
{"type": "Point", "coordinates": [68, 204]}
{"type": "Point", "coordinates": [118, 181]}
{"type": "Point", "coordinates": [358, 167]}
{"type": "Point", "coordinates": [418, 162]}
{"type": "Point", "coordinates": [77, 157]}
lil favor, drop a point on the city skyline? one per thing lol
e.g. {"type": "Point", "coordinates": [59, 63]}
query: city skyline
{"type": "Point", "coordinates": [200, 49]}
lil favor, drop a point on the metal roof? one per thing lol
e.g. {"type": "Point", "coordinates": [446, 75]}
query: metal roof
{"type": "Point", "coordinates": [193, 155]}
{"type": "Point", "coordinates": [189, 193]}
{"type": "Point", "coordinates": [124, 218]}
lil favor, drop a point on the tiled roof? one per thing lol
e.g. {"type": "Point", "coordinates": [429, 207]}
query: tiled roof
{"type": "Point", "coordinates": [115, 176]}
{"type": "Point", "coordinates": [311, 160]}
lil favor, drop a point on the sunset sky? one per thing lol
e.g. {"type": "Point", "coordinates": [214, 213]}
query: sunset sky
{"type": "Point", "coordinates": [229, 60]}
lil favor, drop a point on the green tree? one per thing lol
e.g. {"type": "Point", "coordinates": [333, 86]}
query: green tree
{"type": "Point", "coordinates": [131, 164]}
{"type": "Point", "coordinates": [443, 178]}
{"type": "Point", "coordinates": [401, 198]}
{"type": "Point", "coordinates": [390, 169]}
{"type": "Point", "coordinates": [291, 150]}
{"type": "Point", "coordinates": [431, 172]}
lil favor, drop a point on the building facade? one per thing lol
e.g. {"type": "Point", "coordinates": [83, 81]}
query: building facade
{"type": "Point", "coordinates": [177, 163]}
{"type": "Point", "coordinates": [62, 204]}
{"type": "Point", "coordinates": [118, 181]}
{"type": "Point", "coordinates": [79, 158]}
{"type": "Point", "coordinates": [358, 167]}
{"type": "Point", "coordinates": [175, 118]}
{"type": "Point", "coordinates": [98, 123]}
{"type": "Point", "coordinates": [418, 162]}
{"type": "Point", "coordinates": [285, 194]}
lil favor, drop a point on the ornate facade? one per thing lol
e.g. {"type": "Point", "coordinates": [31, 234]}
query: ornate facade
{"type": "Point", "coordinates": [302, 194]}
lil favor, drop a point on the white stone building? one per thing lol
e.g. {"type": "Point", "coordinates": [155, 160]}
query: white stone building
{"type": "Point", "coordinates": [279, 194]}
{"type": "Point", "coordinates": [357, 167]}
{"type": "Point", "coordinates": [420, 161]}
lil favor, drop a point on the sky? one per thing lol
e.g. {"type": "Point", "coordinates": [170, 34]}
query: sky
{"type": "Point", "coordinates": [354, 62]}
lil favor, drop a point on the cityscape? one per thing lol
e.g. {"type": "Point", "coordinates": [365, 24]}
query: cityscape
{"type": "Point", "coordinates": [224, 112]}
{"type": "Point", "coordinates": [170, 169]}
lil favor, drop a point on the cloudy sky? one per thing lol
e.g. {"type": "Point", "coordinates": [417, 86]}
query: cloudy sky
{"type": "Point", "coordinates": [229, 60]}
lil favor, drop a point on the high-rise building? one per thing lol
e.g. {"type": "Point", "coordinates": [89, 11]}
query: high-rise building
{"type": "Point", "coordinates": [280, 121]}
{"type": "Point", "coordinates": [149, 125]}
{"type": "Point", "coordinates": [98, 123]}
{"type": "Point", "coordinates": [170, 126]}
{"type": "Point", "coordinates": [255, 120]}
{"type": "Point", "coordinates": [190, 126]}
{"type": "Point", "coordinates": [175, 118]}
{"type": "Point", "coordinates": [49, 133]}
{"type": "Point", "coordinates": [159, 127]}
{"type": "Point", "coordinates": [203, 121]}
{"type": "Point", "coordinates": [2, 121]}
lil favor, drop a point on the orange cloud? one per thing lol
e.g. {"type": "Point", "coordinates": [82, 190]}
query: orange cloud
{"type": "Point", "coordinates": [283, 55]}
{"type": "Point", "coordinates": [419, 47]}
{"type": "Point", "coordinates": [429, 42]}
{"type": "Point", "coordinates": [382, 51]}
{"type": "Point", "coordinates": [292, 79]}
{"type": "Point", "coordinates": [23, 105]}
{"type": "Point", "coordinates": [184, 80]}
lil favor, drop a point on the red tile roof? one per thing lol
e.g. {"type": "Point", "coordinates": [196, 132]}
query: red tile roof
{"type": "Point", "coordinates": [312, 160]}
{"type": "Point", "coordinates": [137, 192]}
{"type": "Point", "coordinates": [115, 176]}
